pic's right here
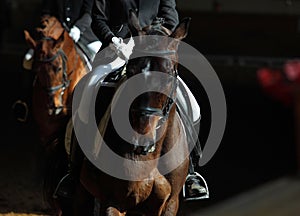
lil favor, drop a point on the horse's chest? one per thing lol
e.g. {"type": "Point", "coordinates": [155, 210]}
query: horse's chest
{"type": "Point", "coordinates": [139, 191]}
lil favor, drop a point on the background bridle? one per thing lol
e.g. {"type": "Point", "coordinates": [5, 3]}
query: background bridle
{"type": "Point", "coordinates": [65, 82]}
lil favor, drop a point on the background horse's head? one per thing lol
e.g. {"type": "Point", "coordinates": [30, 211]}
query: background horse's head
{"type": "Point", "coordinates": [58, 66]}
{"type": "Point", "coordinates": [51, 45]}
{"type": "Point", "coordinates": [156, 65]}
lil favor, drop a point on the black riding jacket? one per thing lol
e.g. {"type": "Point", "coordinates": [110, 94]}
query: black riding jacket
{"type": "Point", "coordinates": [72, 12]}
{"type": "Point", "coordinates": [110, 16]}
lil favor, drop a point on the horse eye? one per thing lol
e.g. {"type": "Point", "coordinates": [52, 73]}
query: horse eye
{"type": "Point", "coordinates": [58, 69]}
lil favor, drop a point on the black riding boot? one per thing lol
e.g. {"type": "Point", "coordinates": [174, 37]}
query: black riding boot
{"type": "Point", "coordinates": [195, 187]}
{"type": "Point", "coordinates": [67, 186]}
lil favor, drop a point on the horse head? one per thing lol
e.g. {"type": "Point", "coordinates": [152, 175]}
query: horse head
{"type": "Point", "coordinates": [58, 66]}
{"type": "Point", "coordinates": [156, 65]}
{"type": "Point", "coordinates": [51, 46]}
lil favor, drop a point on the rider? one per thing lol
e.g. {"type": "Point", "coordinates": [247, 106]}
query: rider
{"type": "Point", "coordinates": [110, 25]}
{"type": "Point", "coordinates": [75, 15]}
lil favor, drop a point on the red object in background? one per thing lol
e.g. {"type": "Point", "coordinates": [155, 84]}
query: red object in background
{"type": "Point", "coordinates": [292, 70]}
{"type": "Point", "coordinates": [275, 84]}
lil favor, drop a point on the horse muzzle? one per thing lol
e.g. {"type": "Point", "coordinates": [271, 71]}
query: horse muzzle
{"type": "Point", "coordinates": [55, 110]}
{"type": "Point", "coordinates": [144, 144]}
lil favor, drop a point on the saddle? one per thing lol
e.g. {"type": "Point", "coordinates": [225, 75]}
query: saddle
{"type": "Point", "coordinates": [114, 77]}
{"type": "Point", "coordinates": [107, 87]}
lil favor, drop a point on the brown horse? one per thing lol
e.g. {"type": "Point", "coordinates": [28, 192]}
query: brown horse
{"type": "Point", "coordinates": [144, 174]}
{"type": "Point", "coordinates": [58, 66]}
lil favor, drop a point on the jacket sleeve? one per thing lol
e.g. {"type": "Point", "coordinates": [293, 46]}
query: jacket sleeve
{"type": "Point", "coordinates": [85, 19]}
{"type": "Point", "coordinates": [84, 22]}
{"type": "Point", "coordinates": [100, 17]}
{"type": "Point", "coordinates": [167, 10]}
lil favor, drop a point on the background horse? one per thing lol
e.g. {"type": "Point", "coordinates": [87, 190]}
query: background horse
{"type": "Point", "coordinates": [58, 66]}
{"type": "Point", "coordinates": [142, 187]}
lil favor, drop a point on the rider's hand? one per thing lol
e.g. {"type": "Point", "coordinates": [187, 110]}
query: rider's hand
{"type": "Point", "coordinates": [122, 49]}
{"type": "Point", "coordinates": [29, 54]}
{"type": "Point", "coordinates": [75, 33]}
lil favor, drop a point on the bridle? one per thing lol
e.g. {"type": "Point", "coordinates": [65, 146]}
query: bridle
{"type": "Point", "coordinates": [65, 81]}
{"type": "Point", "coordinates": [171, 99]}
{"type": "Point", "coordinates": [164, 111]}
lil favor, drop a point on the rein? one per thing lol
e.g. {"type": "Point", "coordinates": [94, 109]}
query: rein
{"type": "Point", "coordinates": [160, 53]}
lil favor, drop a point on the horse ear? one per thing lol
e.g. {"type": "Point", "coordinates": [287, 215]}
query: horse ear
{"type": "Point", "coordinates": [133, 23]}
{"type": "Point", "coordinates": [181, 29]}
{"type": "Point", "coordinates": [31, 43]}
{"type": "Point", "coordinates": [179, 33]}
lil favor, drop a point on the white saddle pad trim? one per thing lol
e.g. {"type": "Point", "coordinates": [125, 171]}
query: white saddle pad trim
{"type": "Point", "coordinates": [182, 100]}
{"type": "Point", "coordinates": [98, 74]}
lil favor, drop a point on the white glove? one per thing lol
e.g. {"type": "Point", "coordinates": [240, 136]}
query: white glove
{"type": "Point", "coordinates": [28, 59]}
{"type": "Point", "coordinates": [29, 54]}
{"type": "Point", "coordinates": [75, 33]}
{"type": "Point", "coordinates": [122, 49]}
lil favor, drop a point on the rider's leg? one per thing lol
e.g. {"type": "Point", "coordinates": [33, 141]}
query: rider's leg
{"type": "Point", "coordinates": [67, 186]}
{"type": "Point", "coordinates": [195, 185]}
{"type": "Point", "coordinates": [94, 48]}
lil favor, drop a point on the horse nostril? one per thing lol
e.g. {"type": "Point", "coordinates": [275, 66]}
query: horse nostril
{"type": "Point", "coordinates": [144, 144]}
{"type": "Point", "coordinates": [55, 110]}
{"type": "Point", "coordinates": [50, 111]}
{"type": "Point", "coordinates": [58, 110]}
{"type": "Point", "coordinates": [151, 146]}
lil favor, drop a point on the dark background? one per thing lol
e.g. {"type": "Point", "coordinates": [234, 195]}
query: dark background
{"type": "Point", "coordinates": [259, 143]}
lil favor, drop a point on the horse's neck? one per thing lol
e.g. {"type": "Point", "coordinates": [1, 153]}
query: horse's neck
{"type": "Point", "coordinates": [72, 50]}
{"type": "Point", "coordinates": [68, 46]}
{"type": "Point", "coordinates": [75, 57]}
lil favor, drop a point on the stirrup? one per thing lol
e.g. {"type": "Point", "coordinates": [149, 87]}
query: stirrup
{"type": "Point", "coordinates": [22, 103]}
{"type": "Point", "coordinates": [62, 188]}
{"type": "Point", "coordinates": [205, 196]}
